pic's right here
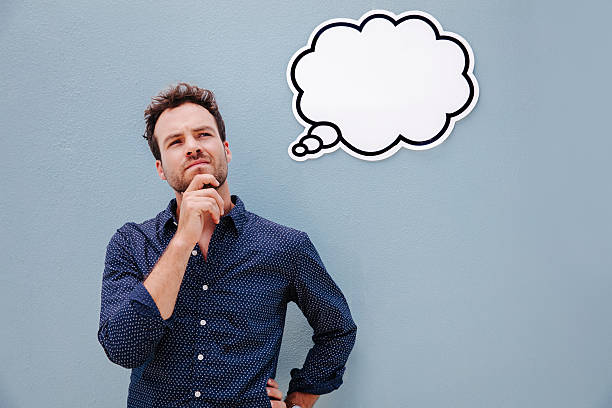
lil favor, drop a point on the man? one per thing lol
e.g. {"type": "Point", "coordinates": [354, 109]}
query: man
{"type": "Point", "coordinates": [194, 299]}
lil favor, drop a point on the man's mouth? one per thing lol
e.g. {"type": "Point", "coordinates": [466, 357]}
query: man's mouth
{"type": "Point", "coordinates": [197, 163]}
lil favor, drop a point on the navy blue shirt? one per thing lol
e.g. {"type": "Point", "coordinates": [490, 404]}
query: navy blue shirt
{"type": "Point", "coordinates": [222, 341]}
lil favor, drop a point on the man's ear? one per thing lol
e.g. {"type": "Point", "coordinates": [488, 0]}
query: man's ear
{"type": "Point", "coordinates": [228, 152]}
{"type": "Point", "coordinates": [160, 169]}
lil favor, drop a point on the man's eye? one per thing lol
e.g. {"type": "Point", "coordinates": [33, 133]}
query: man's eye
{"type": "Point", "coordinates": [171, 143]}
{"type": "Point", "coordinates": [204, 134]}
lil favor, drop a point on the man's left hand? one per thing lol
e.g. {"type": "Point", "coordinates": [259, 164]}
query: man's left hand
{"type": "Point", "coordinates": [276, 395]}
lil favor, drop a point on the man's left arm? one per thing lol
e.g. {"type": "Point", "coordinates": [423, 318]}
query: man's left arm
{"type": "Point", "coordinates": [327, 312]}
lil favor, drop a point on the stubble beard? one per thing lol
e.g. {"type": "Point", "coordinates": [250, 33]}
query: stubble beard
{"type": "Point", "coordinates": [180, 182]}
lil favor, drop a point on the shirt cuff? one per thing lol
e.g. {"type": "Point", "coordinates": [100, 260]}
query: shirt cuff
{"type": "Point", "coordinates": [300, 384]}
{"type": "Point", "coordinates": [143, 303]}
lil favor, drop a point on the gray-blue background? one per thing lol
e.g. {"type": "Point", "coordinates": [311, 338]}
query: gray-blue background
{"type": "Point", "coordinates": [479, 272]}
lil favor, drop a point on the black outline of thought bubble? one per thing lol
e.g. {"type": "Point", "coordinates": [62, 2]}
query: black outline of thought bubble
{"type": "Point", "coordinates": [418, 15]}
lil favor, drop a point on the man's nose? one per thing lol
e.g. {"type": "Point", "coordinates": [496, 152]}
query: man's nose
{"type": "Point", "coordinates": [192, 147]}
{"type": "Point", "coordinates": [196, 151]}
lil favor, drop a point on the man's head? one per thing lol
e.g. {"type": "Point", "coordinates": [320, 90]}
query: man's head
{"type": "Point", "coordinates": [184, 126]}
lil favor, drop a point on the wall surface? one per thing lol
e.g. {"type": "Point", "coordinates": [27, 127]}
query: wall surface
{"type": "Point", "coordinates": [479, 272]}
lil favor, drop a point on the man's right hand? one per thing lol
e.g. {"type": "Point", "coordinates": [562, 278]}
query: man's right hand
{"type": "Point", "coordinates": [198, 207]}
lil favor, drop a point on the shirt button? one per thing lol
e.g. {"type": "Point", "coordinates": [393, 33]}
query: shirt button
{"type": "Point", "coordinates": [200, 357]}
{"type": "Point", "coordinates": [205, 287]}
{"type": "Point", "coordinates": [197, 394]}
{"type": "Point", "coordinates": [202, 322]}
{"type": "Point", "coordinates": [194, 252]}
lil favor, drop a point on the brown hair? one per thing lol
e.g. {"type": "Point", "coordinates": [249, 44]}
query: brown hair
{"type": "Point", "coordinates": [172, 97]}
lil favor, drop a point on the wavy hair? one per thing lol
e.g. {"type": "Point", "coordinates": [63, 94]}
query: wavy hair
{"type": "Point", "coordinates": [174, 96]}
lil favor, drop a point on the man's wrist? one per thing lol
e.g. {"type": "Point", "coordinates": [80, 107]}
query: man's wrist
{"type": "Point", "coordinates": [181, 244]}
{"type": "Point", "coordinates": [300, 399]}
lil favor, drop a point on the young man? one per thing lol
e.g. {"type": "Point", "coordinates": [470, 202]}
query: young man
{"type": "Point", "coordinates": [194, 299]}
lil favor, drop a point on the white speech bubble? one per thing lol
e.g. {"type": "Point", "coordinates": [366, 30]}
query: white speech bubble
{"type": "Point", "coordinates": [378, 84]}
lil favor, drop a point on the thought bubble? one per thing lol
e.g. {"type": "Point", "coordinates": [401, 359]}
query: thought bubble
{"type": "Point", "coordinates": [379, 84]}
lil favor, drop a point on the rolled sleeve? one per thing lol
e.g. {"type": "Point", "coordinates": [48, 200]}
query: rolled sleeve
{"type": "Point", "coordinates": [131, 325]}
{"type": "Point", "coordinates": [145, 305]}
{"type": "Point", "coordinates": [327, 312]}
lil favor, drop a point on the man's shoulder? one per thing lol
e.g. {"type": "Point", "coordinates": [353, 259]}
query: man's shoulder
{"type": "Point", "coordinates": [264, 227]}
{"type": "Point", "coordinates": [147, 227]}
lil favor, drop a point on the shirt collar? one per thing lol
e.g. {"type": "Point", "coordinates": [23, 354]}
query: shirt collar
{"type": "Point", "coordinates": [236, 214]}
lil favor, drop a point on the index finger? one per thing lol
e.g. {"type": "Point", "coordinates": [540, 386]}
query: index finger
{"type": "Point", "coordinates": [200, 180]}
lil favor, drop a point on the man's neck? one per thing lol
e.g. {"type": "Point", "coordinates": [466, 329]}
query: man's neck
{"type": "Point", "coordinates": [223, 192]}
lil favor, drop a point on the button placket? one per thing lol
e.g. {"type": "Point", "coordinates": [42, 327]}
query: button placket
{"type": "Point", "coordinates": [203, 321]}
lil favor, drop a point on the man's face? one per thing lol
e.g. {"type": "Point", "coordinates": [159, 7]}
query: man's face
{"type": "Point", "coordinates": [186, 134]}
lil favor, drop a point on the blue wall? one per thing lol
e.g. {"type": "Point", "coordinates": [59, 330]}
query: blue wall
{"type": "Point", "coordinates": [479, 272]}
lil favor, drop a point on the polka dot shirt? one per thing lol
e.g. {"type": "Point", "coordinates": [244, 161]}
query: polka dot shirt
{"type": "Point", "coordinates": [222, 341]}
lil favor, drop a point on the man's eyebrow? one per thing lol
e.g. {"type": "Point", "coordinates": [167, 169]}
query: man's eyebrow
{"type": "Point", "coordinates": [197, 129]}
{"type": "Point", "coordinates": [203, 127]}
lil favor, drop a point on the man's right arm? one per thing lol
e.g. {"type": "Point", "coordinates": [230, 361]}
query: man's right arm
{"type": "Point", "coordinates": [135, 314]}
{"type": "Point", "coordinates": [164, 281]}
